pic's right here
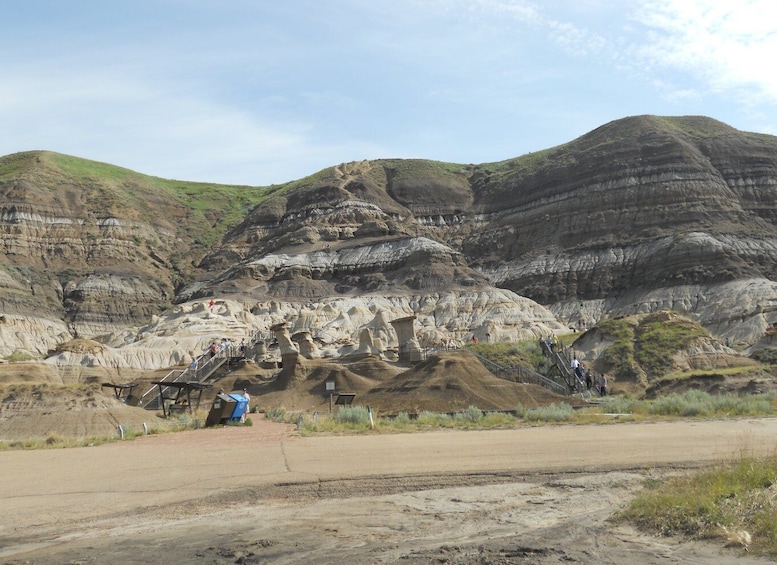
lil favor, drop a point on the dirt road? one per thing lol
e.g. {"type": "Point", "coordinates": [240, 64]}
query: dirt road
{"type": "Point", "coordinates": [262, 494]}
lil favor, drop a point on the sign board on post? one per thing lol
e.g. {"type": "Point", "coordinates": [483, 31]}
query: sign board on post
{"type": "Point", "coordinates": [330, 387]}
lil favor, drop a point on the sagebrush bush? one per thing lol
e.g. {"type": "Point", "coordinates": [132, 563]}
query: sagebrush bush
{"type": "Point", "coordinates": [19, 356]}
{"type": "Point", "coordinates": [553, 413]}
{"type": "Point", "coordinates": [622, 405]}
{"type": "Point", "coordinates": [352, 415]}
{"type": "Point", "coordinates": [471, 414]}
{"type": "Point", "coordinates": [427, 418]}
{"type": "Point", "coordinates": [277, 414]}
{"type": "Point", "coordinates": [402, 419]}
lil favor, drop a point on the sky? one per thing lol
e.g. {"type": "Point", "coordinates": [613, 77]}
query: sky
{"type": "Point", "coordinates": [260, 92]}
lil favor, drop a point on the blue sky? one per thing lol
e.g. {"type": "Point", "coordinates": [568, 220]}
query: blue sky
{"type": "Point", "coordinates": [266, 91]}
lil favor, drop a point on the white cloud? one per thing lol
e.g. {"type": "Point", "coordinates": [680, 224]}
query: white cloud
{"type": "Point", "coordinates": [521, 15]}
{"type": "Point", "coordinates": [261, 92]}
{"type": "Point", "coordinates": [517, 9]}
{"type": "Point", "coordinates": [729, 45]}
{"type": "Point", "coordinates": [156, 129]}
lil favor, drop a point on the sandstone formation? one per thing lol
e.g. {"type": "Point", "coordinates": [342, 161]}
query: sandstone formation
{"type": "Point", "coordinates": [409, 349]}
{"type": "Point", "coordinates": [367, 345]}
{"type": "Point", "coordinates": [640, 215]}
{"type": "Point", "coordinates": [329, 329]}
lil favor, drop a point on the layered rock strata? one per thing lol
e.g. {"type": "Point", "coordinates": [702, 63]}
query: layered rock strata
{"type": "Point", "coordinates": [641, 214]}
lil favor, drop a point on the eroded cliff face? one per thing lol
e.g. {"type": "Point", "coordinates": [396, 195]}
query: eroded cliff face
{"type": "Point", "coordinates": [98, 253]}
{"type": "Point", "coordinates": [640, 206]}
{"type": "Point", "coordinates": [641, 214]}
{"type": "Point", "coordinates": [643, 202]}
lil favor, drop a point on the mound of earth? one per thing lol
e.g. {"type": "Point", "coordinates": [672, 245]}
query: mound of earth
{"type": "Point", "coordinates": [306, 390]}
{"type": "Point", "coordinates": [81, 345]}
{"type": "Point", "coordinates": [453, 381]}
{"type": "Point", "coordinates": [751, 382]}
{"type": "Point", "coordinates": [37, 405]}
{"type": "Point", "coordinates": [638, 352]}
{"type": "Point", "coordinates": [448, 381]}
{"type": "Point", "coordinates": [50, 412]}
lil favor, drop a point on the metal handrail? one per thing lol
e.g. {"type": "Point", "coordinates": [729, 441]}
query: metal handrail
{"type": "Point", "coordinates": [526, 375]}
{"type": "Point", "coordinates": [165, 378]}
{"type": "Point", "coordinates": [206, 365]}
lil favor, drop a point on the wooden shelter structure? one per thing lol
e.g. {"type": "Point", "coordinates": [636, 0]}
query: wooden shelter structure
{"type": "Point", "coordinates": [180, 399]}
{"type": "Point", "coordinates": [123, 392]}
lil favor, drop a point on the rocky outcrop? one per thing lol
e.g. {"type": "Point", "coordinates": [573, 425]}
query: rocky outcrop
{"type": "Point", "coordinates": [639, 215]}
{"type": "Point", "coordinates": [31, 336]}
{"type": "Point", "coordinates": [409, 349]}
{"type": "Point", "coordinates": [392, 266]}
{"type": "Point", "coordinates": [96, 253]}
{"type": "Point", "coordinates": [643, 348]}
{"type": "Point", "coordinates": [332, 328]}
{"type": "Point", "coordinates": [643, 202]}
{"type": "Point", "coordinates": [638, 206]}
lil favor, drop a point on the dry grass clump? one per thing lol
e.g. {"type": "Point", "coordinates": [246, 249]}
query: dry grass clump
{"type": "Point", "coordinates": [691, 404]}
{"type": "Point", "coordinates": [356, 419]}
{"type": "Point", "coordinates": [735, 502]}
{"type": "Point", "coordinates": [124, 431]}
{"type": "Point", "coordinates": [694, 403]}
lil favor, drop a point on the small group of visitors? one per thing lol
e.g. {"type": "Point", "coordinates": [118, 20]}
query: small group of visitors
{"type": "Point", "coordinates": [585, 376]}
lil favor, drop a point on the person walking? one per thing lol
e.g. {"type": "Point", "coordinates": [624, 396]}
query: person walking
{"type": "Point", "coordinates": [193, 366]}
{"type": "Point", "coordinates": [248, 406]}
{"type": "Point", "coordinates": [575, 366]}
{"type": "Point", "coordinates": [603, 385]}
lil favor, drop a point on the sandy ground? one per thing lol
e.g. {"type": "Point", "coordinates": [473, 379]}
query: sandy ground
{"type": "Point", "coordinates": [263, 494]}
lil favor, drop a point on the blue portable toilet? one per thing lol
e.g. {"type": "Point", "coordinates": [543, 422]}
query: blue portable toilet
{"type": "Point", "coordinates": [240, 406]}
{"type": "Point", "coordinates": [221, 410]}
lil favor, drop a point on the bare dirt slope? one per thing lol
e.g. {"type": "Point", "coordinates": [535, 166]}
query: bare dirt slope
{"type": "Point", "coordinates": [448, 381]}
{"type": "Point", "coordinates": [33, 405]}
{"type": "Point", "coordinates": [262, 494]}
{"type": "Point", "coordinates": [55, 413]}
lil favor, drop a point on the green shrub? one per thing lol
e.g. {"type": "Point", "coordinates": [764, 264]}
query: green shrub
{"type": "Point", "coordinates": [496, 420]}
{"type": "Point", "coordinates": [690, 403]}
{"type": "Point", "coordinates": [693, 403]}
{"type": "Point", "coordinates": [767, 355]}
{"type": "Point", "coordinates": [471, 414]}
{"type": "Point", "coordinates": [19, 356]}
{"type": "Point", "coordinates": [622, 405]}
{"type": "Point", "coordinates": [352, 415]}
{"type": "Point", "coordinates": [731, 497]}
{"type": "Point", "coordinates": [553, 413]}
{"type": "Point", "coordinates": [434, 420]}
{"type": "Point", "coordinates": [402, 418]}
{"type": "Point", "coordinates": [276, 414]}
{"type": "Point", "coordinates": [524, 353]}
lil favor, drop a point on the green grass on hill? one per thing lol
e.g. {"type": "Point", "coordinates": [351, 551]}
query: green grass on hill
{"type": "Point", "coordinates": [645, 345]}
{"type": "Point", "coordinates": [525, 353]}
{"type": "Point", "coordinates": [206, 211]}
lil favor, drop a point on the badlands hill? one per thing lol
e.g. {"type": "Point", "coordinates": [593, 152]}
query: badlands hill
{"type": "Point", "coordinates": [641, 215]}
